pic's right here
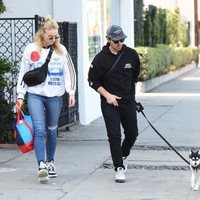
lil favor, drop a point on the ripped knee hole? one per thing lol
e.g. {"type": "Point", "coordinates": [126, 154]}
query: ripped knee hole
{"type": "Point", "coordinates": [52, 127]}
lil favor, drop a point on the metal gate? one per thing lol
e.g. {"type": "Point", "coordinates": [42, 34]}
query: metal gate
{"type": "Point", "coordinates": [15, 34]}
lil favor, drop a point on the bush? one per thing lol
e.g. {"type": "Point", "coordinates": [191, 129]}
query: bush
{"type": "Point", "coordinates": [184, 56]}
{"type": "Point", "coordinates": [163, 59]}
{"type": "Point", "coordinates": [6, 104]}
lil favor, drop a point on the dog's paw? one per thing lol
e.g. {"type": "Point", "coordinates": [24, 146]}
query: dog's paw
{"type": "Point", "coordinates": [192, 185]}
{"type": "Point", "coordinates": [195, 188]}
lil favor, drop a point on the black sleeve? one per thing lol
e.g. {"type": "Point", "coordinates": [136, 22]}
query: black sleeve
{"type": "Point", "coordinates": [95, 74]}
{"type": "Point", "coordinates": [136, 67]}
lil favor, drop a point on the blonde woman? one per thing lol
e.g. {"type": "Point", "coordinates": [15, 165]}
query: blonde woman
{"type": "Point", "coordinates": [45, 100]}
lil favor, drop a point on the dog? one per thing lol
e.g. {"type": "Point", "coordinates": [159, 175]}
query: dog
{"type": "Point", "coordinates": [194, 158]}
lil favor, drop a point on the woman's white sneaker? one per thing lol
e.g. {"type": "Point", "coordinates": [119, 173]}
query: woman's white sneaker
{"type": "Point", "coordinates": [120, 175]}
{"type": "Point", "coordinates": [43, 173]}
{"type": "Point", "coordinates": [52, 170]}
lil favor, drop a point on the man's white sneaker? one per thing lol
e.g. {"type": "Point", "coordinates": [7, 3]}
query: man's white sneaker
{"type": "Point", "coordinates": [43, 173]}
{"type": "Point", "coordinates": [52, 170]}
{"type": "Point", "coordinates": [120, 176]}
{"type": "Point", "coordinates": [125, 163]}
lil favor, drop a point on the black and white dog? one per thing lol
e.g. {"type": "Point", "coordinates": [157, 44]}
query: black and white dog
{"type": "Point", "coordinates": [194, 157]}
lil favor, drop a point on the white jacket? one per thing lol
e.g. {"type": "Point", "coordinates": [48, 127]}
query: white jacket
{"type": "Point", "coordinates": [61, 75]}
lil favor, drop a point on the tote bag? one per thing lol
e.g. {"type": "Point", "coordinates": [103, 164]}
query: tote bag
{"type": "Point", "coordinates": [23, 132]}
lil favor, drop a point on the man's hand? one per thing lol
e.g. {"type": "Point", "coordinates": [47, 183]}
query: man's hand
{"type": "Point", "coordinates": [112, 99]}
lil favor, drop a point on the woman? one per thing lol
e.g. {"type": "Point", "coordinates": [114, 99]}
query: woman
{"type": "Point", "coordinates": [45, 100]}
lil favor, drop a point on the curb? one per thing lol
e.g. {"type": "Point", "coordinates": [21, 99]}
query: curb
{"type": "Point", "coordinates": [148, 85]}
{"type": "Point", "coordinates": [8, 146]}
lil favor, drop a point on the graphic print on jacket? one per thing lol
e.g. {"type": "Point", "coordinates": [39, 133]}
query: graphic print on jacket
{"type": "Point", "coordinates": [35, 56]}
{"type": "Point", "coordinates": [55, 73]}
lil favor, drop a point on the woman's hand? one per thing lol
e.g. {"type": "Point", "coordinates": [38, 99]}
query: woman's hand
{"type": "Point", "coordinates": [19, 103]}
{"type": "Point", "coordinates": [71, 101]}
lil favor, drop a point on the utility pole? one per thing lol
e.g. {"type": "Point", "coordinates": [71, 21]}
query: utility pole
{"type": "Point", "coordinates": [196, 27]}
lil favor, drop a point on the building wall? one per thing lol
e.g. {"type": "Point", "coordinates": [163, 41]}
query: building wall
{"type": "Point", "coordinates": [122, 13]}
{"type": "Point", "coordinates": [24, 8]}
{"type": "Point", "coordinates": [88, 107]}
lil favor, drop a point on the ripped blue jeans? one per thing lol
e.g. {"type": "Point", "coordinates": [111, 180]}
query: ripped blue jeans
{"type": "Point", "coordinates": [45, 112]}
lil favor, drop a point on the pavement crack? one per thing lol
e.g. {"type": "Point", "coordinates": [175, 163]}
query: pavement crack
{"type": "Point", "coordinates": [11, 159]}
{"type": "Point", "coordinates": [151, 167]}
{"type": "Point", "coordinates": [163, 148]}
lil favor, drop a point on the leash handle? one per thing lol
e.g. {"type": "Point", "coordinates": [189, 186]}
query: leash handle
{"type": "Point", "coordinates": [139, 109]}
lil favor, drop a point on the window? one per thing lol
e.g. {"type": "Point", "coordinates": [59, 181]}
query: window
{"type": "Point", "coordinates": [98, 19]}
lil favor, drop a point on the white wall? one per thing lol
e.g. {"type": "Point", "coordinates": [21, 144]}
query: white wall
{"type": "Point", "coordinates": [27, 8]}
{"type": "Point", "coordinates": [89, 108]}
{"type": "Point", "coordinates": [127, 20]}
{"type": "Point", "coordinates": [122, 14]}
{"type": "Point", "coordinates": [115, 12]}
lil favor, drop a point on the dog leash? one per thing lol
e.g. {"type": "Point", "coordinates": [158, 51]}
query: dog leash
{"type": "Point", "coordinates": [139, 109]}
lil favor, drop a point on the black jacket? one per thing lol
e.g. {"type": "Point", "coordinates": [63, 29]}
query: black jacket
{"type": "Point", "coordinates": [121, 79]}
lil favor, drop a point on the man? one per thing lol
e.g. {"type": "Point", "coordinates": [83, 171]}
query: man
{"type": "Point", "coordinates": [114, 78]}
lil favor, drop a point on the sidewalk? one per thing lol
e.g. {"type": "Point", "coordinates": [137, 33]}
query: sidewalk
{"type": "Point", "coordinates": [83, 158]}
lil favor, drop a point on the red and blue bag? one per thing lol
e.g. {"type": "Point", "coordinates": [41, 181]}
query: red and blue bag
{"type": "Point", "coordinates": [23, 132]}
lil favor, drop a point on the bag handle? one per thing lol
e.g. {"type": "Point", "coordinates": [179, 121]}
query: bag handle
{"type": "Point", "coordinates": [49, 55]}
{"type": "Point", "coordinates": [20, 116]}
{"type": "Point", "coordinates": [115, 63]}
{"type": "Point", "coordinates": [19, 111]}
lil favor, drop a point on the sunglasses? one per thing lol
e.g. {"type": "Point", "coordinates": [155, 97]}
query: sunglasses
{"type": "Point", "coordinates": [121, 41]}
{"type": "Point", "coordinates": [53, 37]}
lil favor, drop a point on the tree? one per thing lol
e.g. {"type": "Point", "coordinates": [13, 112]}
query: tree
{"type": "Point", "coordinates": [176, 29]}
{"type": "Point", "coordinates": [2, 7]}
{"type": "Point", "coordinates": [6, 107]}
{"type": "Point", "coordinates": [138, 23]}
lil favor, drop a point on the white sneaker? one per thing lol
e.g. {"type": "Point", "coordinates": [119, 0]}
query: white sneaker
{"type": "Point", "coordinates": [52, 170]}
{"type": "Point", "coordinates": [125, 163]}
{"type": "Point", "coordinates": [43, 173]}
{"type": "Point", "coordinates": [120, 176]}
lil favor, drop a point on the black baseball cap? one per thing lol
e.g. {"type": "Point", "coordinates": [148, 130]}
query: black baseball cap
{"type": "Point", "coordinates": [115, 33]}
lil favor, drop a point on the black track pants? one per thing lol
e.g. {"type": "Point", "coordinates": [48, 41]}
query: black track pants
{"type": "Point", "coordinates": [114, 117]}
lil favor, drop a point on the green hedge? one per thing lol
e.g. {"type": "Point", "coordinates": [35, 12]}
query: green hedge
{"type": "Point", "coordinates": [159, 60]}
{"type": "Point", "coordinates": [6, 104]}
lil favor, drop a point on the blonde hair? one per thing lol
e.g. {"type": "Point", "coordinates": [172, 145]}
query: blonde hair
{"type": "Point", "coordinates": [48, 24]}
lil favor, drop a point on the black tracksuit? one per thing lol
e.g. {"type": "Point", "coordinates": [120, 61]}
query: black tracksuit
{"type": "Point", "coordinates": [121, 82]}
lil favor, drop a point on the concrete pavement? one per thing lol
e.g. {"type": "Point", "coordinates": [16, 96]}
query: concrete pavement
{"type": "Point", "coordinates": [83, 159]}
